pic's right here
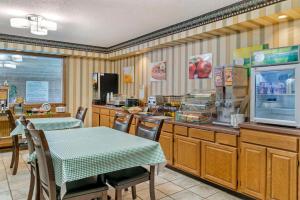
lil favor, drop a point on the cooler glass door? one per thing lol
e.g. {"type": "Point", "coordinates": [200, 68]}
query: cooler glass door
{"type": "Point", "coordinates": [275, 95]}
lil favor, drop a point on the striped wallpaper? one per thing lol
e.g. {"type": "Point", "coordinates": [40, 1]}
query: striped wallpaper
{"type": "Point", "coordinates": [222, 47]}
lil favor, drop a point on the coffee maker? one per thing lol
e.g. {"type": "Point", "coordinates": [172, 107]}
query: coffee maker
{"type": "Point", "coordinates": [231, 93]}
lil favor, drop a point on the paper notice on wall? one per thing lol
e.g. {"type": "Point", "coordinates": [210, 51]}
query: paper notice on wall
{"type": "Point", "coordinates": [37, 91]}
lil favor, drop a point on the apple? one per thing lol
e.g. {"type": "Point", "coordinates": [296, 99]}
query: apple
{"type": "Point", "coordinates": [204, 69]}
{"type": "Point", "coordinates": [192, 70]}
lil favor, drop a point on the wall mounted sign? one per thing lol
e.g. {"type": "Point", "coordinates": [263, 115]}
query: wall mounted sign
{"type": "Point", "coordinates": [158, 71]}
{"type": "Point", "coordinates": [200, 66]}
{"type": "Point", "coordinates": [37, 91]}
{"type": "Point", "coordinates": [242, 56]}
{"type": "Point", "coordinates": [128, 74]}
{"type": "Point", "coordinates": [276, 56]}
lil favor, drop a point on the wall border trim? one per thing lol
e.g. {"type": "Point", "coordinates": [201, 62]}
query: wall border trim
{"type": "Point", "coordinates": [238, 8]}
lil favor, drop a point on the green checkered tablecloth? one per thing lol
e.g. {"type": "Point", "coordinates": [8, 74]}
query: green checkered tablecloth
{"type": "Point", "coordinates": [85, 152]}
{"type": "Point", "coordinates": [48, 124]}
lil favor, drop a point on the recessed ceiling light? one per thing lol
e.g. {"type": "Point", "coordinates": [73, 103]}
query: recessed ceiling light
{"type": "Point", "coordinates": [282, 16]}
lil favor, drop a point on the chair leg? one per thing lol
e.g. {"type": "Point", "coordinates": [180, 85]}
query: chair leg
{"type": "Point", "coordinates": [16, 160]}
{"type": "Point", "coordinates": [133, 191]}
{"type": "Point", "coordinates": [104, 195]}
{"type": "Point", "coordinates": [152, 187]}
{"type": "Point", "coordinates": [37, 184]}
{"type": "Point", "coordinates": [12, 157]}
{"type": "Point", "coordinates": [118, 194]}
{"type": "Point", "coordinates": [14, 146]}
{"type": "Point", "coordinates": [31, 184]}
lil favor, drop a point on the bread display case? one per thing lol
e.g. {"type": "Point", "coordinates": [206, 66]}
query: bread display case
{"type": "Point", "coordinates": [197, 107]}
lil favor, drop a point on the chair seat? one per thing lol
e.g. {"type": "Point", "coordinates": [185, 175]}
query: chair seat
{"type": "Point", "coordinates": [125, 176]}
{"type": "Point", "coordinates": [83, 187]}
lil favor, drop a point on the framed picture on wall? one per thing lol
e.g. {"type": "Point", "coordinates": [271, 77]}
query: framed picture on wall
{"type": "Point", "coordinates": [200, 66]}
{"type": "Point", "coordinates": [158, 71]}
{"type": "Point", "coordinates": [128, 74]}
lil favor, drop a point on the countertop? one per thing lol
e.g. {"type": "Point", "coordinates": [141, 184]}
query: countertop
{"type": "Point", "coordinates": [271, 128]}
{"type": "Point", "coordinates": [209, 127]}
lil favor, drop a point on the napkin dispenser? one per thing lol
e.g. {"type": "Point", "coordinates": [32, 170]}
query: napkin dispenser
{"type": "Point", "coordinates": [60, 109]}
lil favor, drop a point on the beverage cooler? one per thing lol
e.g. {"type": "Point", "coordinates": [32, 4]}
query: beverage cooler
{"type": "Point", "coordinates": [275, 97]}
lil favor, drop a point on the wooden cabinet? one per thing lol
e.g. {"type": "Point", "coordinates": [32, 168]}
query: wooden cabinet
{"type": "Point", "coordinates": [187, 154]}
{"type": "Point", "coordinates": [95, 119]}
{"type": "Point", "coordinates": [281, 175]}
{"type": "Point", "coordinates": [132, 129]}
{"type": "Point", "coordinates": [219, 164]}
{"type": "Point", "coordinates": [104, 120]}
{"type": "Point", "coordinates": [253, 170]}
{"type": "Point", "coordinates": [166, 143]}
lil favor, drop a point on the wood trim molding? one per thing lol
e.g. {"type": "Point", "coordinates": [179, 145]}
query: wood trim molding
{"type": "Point", "coordinates": [217, 15]}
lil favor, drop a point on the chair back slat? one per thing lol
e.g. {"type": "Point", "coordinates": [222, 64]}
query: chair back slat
{"type": "Point", "coordinates": [81, 113]}
{"type": "Point", "coordinates": [149, 132]}
{"type": "Point", "coordinates": [25, 123]}
{"type": "Point", "coordinates": [46, 170]}
{"type": "Point", "coordinates": [122, 122]}
{"type": "Point", "coordinates": [11, 120]}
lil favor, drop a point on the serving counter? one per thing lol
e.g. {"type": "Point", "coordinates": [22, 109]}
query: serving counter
{"type": "Point", "coordinates": [260, 161]}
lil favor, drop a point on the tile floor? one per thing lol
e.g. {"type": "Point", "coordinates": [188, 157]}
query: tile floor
{"type": "Point", "coordinates": [169, 185]}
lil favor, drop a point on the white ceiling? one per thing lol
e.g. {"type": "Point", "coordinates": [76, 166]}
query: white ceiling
{"type": "Point", "coordinates": [104, 22]}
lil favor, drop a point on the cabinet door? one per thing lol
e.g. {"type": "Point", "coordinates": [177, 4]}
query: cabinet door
{"type": "Point", "coordinates": [253, 170]}
{"type": "Point", "coordinates": [104, 120]}
{"type": "Point", "coordinates": [95, 119]}
{"type": "Point", "coordinates": [219, 164]}
{"type": "Point", "coordinates": [132, 129]}
{"type": "Point", "coordinates": [281, 174]}
{"type": "Point", "coordinates": [187, 154]}
{"type": "Point", "coordinates": [166, 143]}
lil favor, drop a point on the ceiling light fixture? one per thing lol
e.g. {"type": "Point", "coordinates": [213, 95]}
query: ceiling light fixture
{"type": "Point", "coordinates": [38, 25]}
{"type": "Point", "coordinates": [282, 16]}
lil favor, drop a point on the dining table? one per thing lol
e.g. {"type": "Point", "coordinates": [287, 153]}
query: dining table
{"type": "Point", "coordinates": [45, 124]}
{"type": "Point", "coordinates": [48, 124]}
{"type": "Point", "coordinates": [86, 152]}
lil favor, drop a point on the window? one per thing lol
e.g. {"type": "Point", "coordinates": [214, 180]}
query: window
{"type": "Point", "coordinates": [35, 78]}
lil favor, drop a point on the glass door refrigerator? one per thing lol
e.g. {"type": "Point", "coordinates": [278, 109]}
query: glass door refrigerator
{"type": "Point", "coordinates": [275, 93]}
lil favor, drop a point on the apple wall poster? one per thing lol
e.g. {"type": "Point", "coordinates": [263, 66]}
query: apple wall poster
{"type": "Point", "coordinates": [200, 66]}
{"type": "Point", "coordinates": [158, 71]}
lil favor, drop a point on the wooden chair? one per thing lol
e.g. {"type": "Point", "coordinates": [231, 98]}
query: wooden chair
{"type": "Point", "coordinates": [81, 113]}
{"type": "Point", "coordinates": [85, 189]}
{"type": "Point", "coordinates": [34, 173]}
{"type": "Point", "coordinates": [122, 122]}
{"type": "Point", "coordinates": [17, 142]}
{"type": "Point", "coordinates": [131, 177]}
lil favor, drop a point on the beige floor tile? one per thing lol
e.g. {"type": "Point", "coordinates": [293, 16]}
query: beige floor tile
{"type": "Point", "coordinates": [184, 195]}
{"type": "Point", "coordinates": [169, 188]}
{"type": "Point", "coordinates": [145, 194]}
{"type": "Point", "coordinates": [4, 186]}
{"type": "Point", "coordinates": [222, 196]}
{"type": "Point", "coordinates": [5, 195]}
{"type": "Point", "coordinates": [170, 175]}
{"type": "Point", "coordinates": [142, 186]}
{"type": "Point", "coordinates": [3, 176]}
{"type": "Point", "coordinates": [203, 190]}
{"type": "Point", "coordinates": [159, 180]}
{"type": "Point", "coordinates": [20, 193]}
{"type": "Point", "coordinates": [166, 198]}
{"type": "Point", "coordinates": [186, 182]}
{"type": "Point", "coordinates": [19, 185]}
